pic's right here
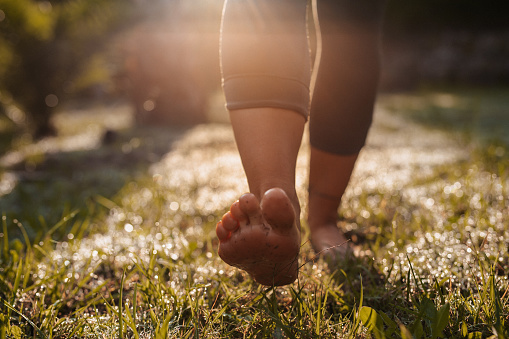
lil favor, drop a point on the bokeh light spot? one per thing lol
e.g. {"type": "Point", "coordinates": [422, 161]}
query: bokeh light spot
{"type": "Point", "coordinates": [51, 100]}
{"type": "Point", "coordinates": [128, 228]}
{"type": "Point", "coordinates": [149, 105]}
{"type": "Point", "coordinates": [45, 6]}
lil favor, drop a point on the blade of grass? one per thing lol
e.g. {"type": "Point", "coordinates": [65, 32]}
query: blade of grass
{"type": "Point", "coordinates": [17, 280]}
{"type": "Point", "coordinates": [162, 332]}
{"type": "Point", "coordinates": [79, 326]}
{"type": "Point", "coordinates": [87, 305]}
{"type": "Point", "coordinates": [441, 321]}
{"type": "Point", "coordinates": [135, 302]}
{"type": "Point", "coordinates": [62, 222]}
{"type": "Point", "coordinates": [372, 321]}
{"type": "Point", "coordinates": [105, 202]}
{"type": "Point", "coordinates": [357, 321]}
{"type": "Point", "coordinates": [273, 312]}
{"type": "Point", "coordinates": [131, 321]}
{"type": "Point", "coordinates": [25, 236]}
{"type": "Point", "coordinates": [5, 247]}
{"type": "Point", "coordinates": [120, 304]}
{"type": "Point", "coordinates": [11, 308]}
{"type": "Point", "coordinates": [320, 312]}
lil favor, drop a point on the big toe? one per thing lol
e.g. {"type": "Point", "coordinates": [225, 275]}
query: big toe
{"type": "Point", "coordinates": [277, 209]}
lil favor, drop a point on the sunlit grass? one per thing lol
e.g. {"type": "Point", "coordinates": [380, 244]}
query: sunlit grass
{"type": "Point", "coordinates": [142, 262]}
{"type": "Point", "coordinates": [478, 113]}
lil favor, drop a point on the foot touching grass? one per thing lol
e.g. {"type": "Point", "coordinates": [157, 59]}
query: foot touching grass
{"type": "Point", "coordinates": [439, 243]}
{"type": "Point", "coordinates": [262, 238]}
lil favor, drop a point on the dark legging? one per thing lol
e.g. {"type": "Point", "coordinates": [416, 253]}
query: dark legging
{"type": "Point", "coordinates": [266, 62]}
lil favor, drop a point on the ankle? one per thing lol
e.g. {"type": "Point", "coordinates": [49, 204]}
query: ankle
{"type": "Point", "coordinates": [315, 223]}
{"type": "Point", "coordinates": [322, 212]}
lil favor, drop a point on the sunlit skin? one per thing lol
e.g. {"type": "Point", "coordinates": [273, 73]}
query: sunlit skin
{"type": "Point", "coordinates": [329, 175]}
{"type": "Point", "coordinates": [269, 154]}
{"type": "Point", "coordinates": [261, 232]}
{"type": "Point", "coordinates": [267, 81]}
{"type": "Point", "coordinates": [262, 238]}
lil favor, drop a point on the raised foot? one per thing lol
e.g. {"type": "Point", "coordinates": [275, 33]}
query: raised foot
{"type": "Point", "coordinates": [262, 238]}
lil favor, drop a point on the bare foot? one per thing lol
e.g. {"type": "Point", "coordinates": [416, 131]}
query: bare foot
{"type": "Point", "coordinates": [330, 242]}
{"type": "Point", "coordinates": [262, 238]}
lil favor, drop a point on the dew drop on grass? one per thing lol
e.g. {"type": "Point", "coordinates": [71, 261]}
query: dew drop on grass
{"type": "Point", "coordinates": [128, 227]}
{"type": "Point", "coordinates": [174, 206]}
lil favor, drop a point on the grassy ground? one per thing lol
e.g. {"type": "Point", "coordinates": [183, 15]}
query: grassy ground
{"type": "Point", "coordinates": [98, 243]}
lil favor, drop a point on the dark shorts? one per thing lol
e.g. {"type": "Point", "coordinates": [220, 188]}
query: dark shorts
{"type": "Point", "coordinates": [266, 62]}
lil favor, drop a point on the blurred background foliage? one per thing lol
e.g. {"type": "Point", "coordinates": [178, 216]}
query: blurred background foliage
{"type": "Point", "coordinates": [46, 46]}
{"type": "Point", "coordinates": [155, 52]}
{"type": "Point", "coordinates": [162, 56]}
{"type": "Point", "coordinates": [432, 16]}
{"type": "Point", "coordinates": [445, 43]}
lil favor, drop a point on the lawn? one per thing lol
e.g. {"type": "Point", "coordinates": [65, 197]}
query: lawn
{"type": "Point", "coordinates": [114, 237]}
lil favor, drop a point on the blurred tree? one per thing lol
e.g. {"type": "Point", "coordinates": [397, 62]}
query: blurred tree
{"type": "Point", "coordinates": [45, 45]}
{"type": "Point", "coordinates": [446, 42]}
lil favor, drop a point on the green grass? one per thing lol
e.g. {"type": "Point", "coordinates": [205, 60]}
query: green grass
{"type": "Point", "coordinates": [477, 113]}
{"type": "Point", "coordinates": [130, 264]}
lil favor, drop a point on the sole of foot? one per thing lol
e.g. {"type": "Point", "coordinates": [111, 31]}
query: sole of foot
{"type": "Point", "coordinates": [262, 237]}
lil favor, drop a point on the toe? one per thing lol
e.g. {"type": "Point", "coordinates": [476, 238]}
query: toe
{"type": "Point", "coordinates": [250, 205]}
{"type": "Point", "coordinates": [278, 209]}
{"type": "Point", "coordinates": [229, 222]}
{"type": "Point", "coordinates": [222, 233]}
{"type": "Point", "coordinates": [237, 213]}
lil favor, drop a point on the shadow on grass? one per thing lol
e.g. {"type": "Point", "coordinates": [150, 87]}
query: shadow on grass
{"type": "Point", "coordinates": [50, 179]}
{"type": "Point", "coordinates": [479, 113]}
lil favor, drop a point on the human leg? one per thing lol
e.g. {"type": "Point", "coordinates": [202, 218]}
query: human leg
{"type": "Point", "coordinates": [329, 175]}
{"type": "Point", "coordinates": [265, 64]}
{"type": "Point", "coordinates": [341, 111]}
{"type": "Point", "coordinates": [261, 232]}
